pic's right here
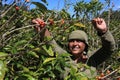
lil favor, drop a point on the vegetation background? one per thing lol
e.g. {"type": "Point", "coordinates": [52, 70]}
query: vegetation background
{"type": "Point", "coordinates": [23, 56]}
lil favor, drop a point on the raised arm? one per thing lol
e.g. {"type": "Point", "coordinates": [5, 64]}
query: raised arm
{"type": "Point", "coordinates": [40, 25]}
{"type": "Point", "coordinates": [108, 43]}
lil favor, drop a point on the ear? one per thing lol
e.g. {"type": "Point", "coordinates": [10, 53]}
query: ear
{"type": "Point", "coordinates": [86, 48]}
{"type": "Point", "coordinates": [84, 57]}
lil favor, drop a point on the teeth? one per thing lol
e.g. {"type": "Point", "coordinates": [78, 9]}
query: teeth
{"type": "Point", "coordinates": [75, 47]}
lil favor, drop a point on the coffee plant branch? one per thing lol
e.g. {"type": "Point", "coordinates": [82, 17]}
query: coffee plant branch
{"type": "Point", "coordinates": [3, 14]}
{"type": "Point", "coordinates": [9, 32]}
{"type": "Point", "coordinates": [111, 73]}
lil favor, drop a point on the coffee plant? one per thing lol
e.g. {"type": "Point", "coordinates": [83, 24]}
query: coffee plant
{"type": "Point", "coordinates": [25, 55]}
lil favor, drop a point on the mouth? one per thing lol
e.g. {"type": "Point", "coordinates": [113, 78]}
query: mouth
{"type": "Point", "coordinates": [74, 48]}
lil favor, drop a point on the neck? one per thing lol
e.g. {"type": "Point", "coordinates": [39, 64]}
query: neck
{"type": "Point", "coordinates": [80, 58]}
{"type": "Point", "coordinates": [77, 58]}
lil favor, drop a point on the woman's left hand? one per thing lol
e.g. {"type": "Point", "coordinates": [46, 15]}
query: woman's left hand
{"type": "Point", "coordinates": [99, 25]}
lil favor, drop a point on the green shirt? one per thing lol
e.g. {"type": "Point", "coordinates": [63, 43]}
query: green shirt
{"type": "Point", "coordinates": [98, 56]}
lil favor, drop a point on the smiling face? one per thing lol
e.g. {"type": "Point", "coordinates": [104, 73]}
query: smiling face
{"type": "Point", "coordinates": [76, 47]}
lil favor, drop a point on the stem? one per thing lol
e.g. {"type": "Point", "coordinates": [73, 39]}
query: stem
{"type": "Point", "coordinates": [110, 73]}
{"type": "Point", "coordinates": [9, 32]}
{"type": "Point", "coordinates": [8, 20]}
{"type": "Point", "coordinates": [107, 68]}
{"type": "Point", "coordinates": [2, 15]}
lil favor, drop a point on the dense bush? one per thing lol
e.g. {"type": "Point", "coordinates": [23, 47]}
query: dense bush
{"type": "Point", "coordinates": [23, 56]}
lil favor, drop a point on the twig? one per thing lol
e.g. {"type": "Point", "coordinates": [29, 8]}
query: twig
{"type": "Point", "coordinates": [7, 21]}
{"type": "Point", "coordinates": [111, 73]}
{"type": "Point", "coordinates": [2, 15]}
{"type": "Point", "coordinates": [12, 37]}
{"type": "Point", "coordinates": [9, 32]}
{"type": "Point", "coordinates": [7, 11]}
{"type": "Point", "coordinates": [9, 55]}
{"type": "Point", "coordinates": [107, 68]}
{"type": "Point", "coordinates": [35, 36]}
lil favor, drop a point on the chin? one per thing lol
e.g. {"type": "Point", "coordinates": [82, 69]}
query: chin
{"type": "Point", "coordinates": [75, 52]}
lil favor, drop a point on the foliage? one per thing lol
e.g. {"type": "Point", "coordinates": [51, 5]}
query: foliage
{"type": "Point", "coordinates": [23, 56]}
{"type": "Point", "coordinates": [89, 10]}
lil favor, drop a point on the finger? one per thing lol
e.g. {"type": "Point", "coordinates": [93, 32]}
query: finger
{"type": "Point", "coordinates": [100, 20]}
{"type": "Point", "coordinates": [94, 22]}
{"type": "Point", "coordinates": [34, 21]}
{"type": "Point", "coordinates": [39, 20]}
{"type": "Point", "coordinates": [97, 21]}
{"type": "Point", "coordinates": [37, 28]}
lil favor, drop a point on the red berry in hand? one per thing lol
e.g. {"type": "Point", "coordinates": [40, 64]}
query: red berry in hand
{"type": "Point", "coordinates": [17, 8]}
{"type": "Point", "coordinates": [42, 23]}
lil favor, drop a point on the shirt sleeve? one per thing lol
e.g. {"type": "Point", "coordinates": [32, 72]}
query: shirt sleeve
{"type": "Point", "coordinates": [100, 55]}
{"type": "Point", "coordinates": [56, 47]}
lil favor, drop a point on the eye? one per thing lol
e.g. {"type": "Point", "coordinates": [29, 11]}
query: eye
{"type": "Point", "coordinates": [78, 40]}
{"type": "Point", "coordinates": [72, 40]}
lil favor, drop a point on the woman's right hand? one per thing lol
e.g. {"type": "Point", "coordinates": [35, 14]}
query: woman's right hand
{"type": "Point", "coordinates": [39, 24]}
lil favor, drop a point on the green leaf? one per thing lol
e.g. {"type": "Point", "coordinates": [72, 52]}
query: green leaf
{"type": "Point", "coordinates": [7, 48]}
{"type": "Point", "coordinates": [3, 55]}
{"type": "Point", "coordinates": [48, 60]}
{"type": "Point", "coordinates": [2, 69]}
{"type": "Point", "coordinates": [48, 49]}
{"type": "Point", "coordinates": [25, 69]}
{"type": "Point", "coordinates": [40, 5]}
{"type": "Point", "coordinates": [83, 78]}
{"type": "Point", "coordinates": [44, 1]}
{"type": "Point", "coordinates": [31, 46]}
{"type": "Point", "coordinates": [58, 68]}
{"type": "Point", "coordinates": [25, 77]}
{"type": "Point", "coordinates": [79, 24]}
{"type": "Point", "coordinates": [64, 55]}
{"type": "Point", "coordinates": [37, 49]}
{"type": "Point", "coordinates": [14, 50]}
{"type": "Point", "coordinates": [51, 74]}
{"type": "Point", "coordinates": [11, 49]}
{"type": "Point", "coordinates": [21, 42]}
{"type": "Point", "coordinates": [73, 70]}
{"type": "Point", "coordinates": [33, 54]}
